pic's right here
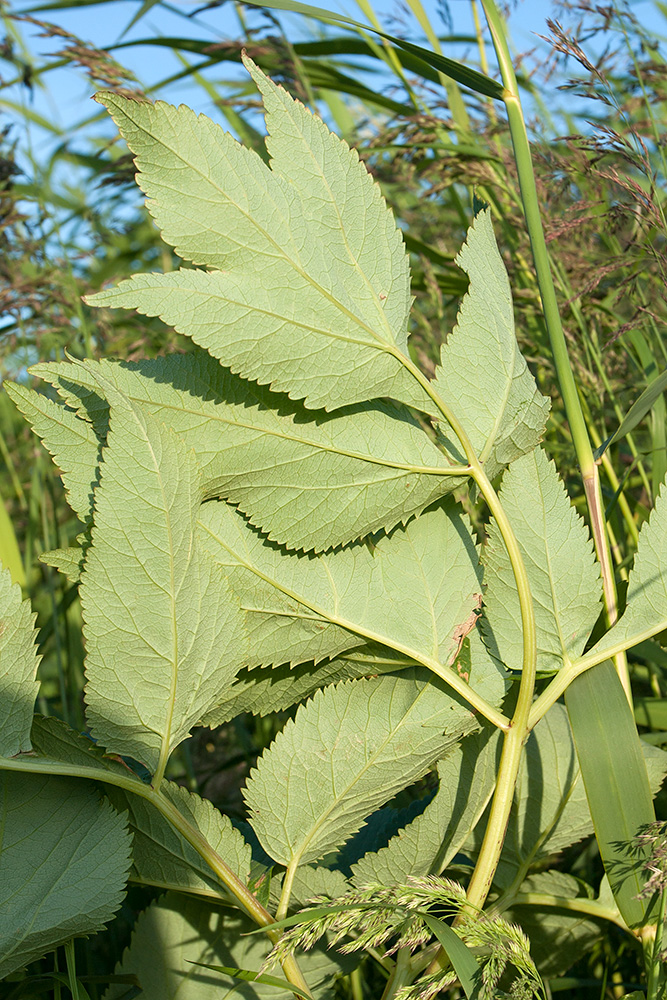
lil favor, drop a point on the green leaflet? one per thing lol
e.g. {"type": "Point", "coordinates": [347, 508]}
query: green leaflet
{"type": "Point", "coordinates": [482, 375]}
{"type": "Point", "coordinates": [49, 890]}
{"type": "Point", "coordinates": [273, 689]}
{"type": "Point", "coordinates": [403, 591]}
{"type": "Point", "coordinates": [176, 931]}
{"type": "Point", "coordinates": [338, 297]}
{"type": "Point", "coordinates": [316, 880]}
{"type": "Point", "coordinates": [293, 251]}
{"type": "Point", "coordinates": [558, 937]}
{"type": "Point", "coordinates": [163, 858]}
{"type": "Point", "coordinates": [53, 740]}
{"type": "Point", "coordinates": [72, 443]}
{"type": "Point", "coordinates": [163, 632]}
{"type": "Point", "coordinates": [18, 668]}
{"type": "Point", "coordinates": [375, 737]}
{"type": "Point", "coordinates": [426, 846]}
{"type": "Point", "coordinates": [646, 610]}
{"type": "Point", "coordinates": [68, 561]}
{"type": "Point", "coordinates": [558, 554]}
{"type": "Point", "coordinates": [308, 479]}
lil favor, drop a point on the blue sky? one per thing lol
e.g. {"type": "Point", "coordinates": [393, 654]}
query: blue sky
{"type": "Point", "coordinates": [65, 100]}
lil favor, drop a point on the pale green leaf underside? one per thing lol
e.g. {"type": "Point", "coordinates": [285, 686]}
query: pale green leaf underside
{"type": "Point", "coordinates": [406, 593]}
{"type": "Point", "coordinates": [646, 610]}
{"type": "Point", "coordinates": [49, 890]}
{"type": "Point", "coordinates": [427, 845]}
{"type": "Point", "coordinates": [162, 857]}
{"type": "Point", "coordinates": [482, 375]}
{"type": "Point", "coordinates": [68, 561]}
{"type": "Point", "coordinates": [558, 554]}
{"type": "Point", "coordinates": [176, 931]}
{"type": "Point", "coordinates": [72, 443]}
{"type": "Point", "coordinates": [18, 668]}
{"type": "Point", "coordinates": [307, 266]}
{"type": "Point", "coordinates": [347, 752]}
{"type": "Point", "coordinates": [163, 633]}
{"type": "Point", "coordinates": [307, 479]}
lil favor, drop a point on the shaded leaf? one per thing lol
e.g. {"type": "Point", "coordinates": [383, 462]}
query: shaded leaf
{"type": "Point", "coordinates": [176, 932]}
{"type": "Point", "coordinates": [273, 689]}
{"type": "Point", "coordinates": [162, 857]}
{"type": "Point", "coordinates": [49, 890]}
{"type": "Point", "coordinates": [558, 937]}
{"type": "Point", "coordinates": [427, 845]}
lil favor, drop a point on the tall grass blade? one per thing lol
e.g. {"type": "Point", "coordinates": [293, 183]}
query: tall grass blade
{"type": "Point", "coordinates": [616, 781]}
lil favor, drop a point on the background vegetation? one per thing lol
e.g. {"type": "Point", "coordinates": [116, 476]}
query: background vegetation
{"type": "Point", "coordinates": [69, 223]}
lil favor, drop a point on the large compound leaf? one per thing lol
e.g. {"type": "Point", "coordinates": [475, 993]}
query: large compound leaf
{"type": "Point", "coordinates": [163, 632]}
{"type": "Point", "coordinates": [482, 375]}
{"type": "Point", "coordinates": [348, 751]}
{"type": "Point", "coordinates": [426, 846]}
{"type": "Point", "coordinates": [63, 866]}
{"type": "Point", "coordinates": [18, 668]}
{"type": "Point", "coordinates": [72, 443]}
{"type": "Point", "coordinates": [309, 480]}
{"type": "Point", "coordinates": [176, 932]}
{"type": "Point", "coordinates": [646, 610]}
{"type": "Point", "coordinates": [160, 854]}
{"type": "Point", "coordinates": [405, 591]}
{"type": "Point", "coordinates": [562, 571]}
{"type": "Point", "coordinates": [311, 287]}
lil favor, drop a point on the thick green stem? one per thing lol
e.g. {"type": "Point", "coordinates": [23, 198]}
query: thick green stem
{"type": "Point", "coordinates": [517, 731]}
{"type": "Point", "coordinates": [231, 881]}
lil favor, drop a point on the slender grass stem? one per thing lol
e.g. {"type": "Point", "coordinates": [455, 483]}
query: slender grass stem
{"type": "Point", "coordinates": [568, 387]}
{"type": "Point", "coordinates": [654, 957]}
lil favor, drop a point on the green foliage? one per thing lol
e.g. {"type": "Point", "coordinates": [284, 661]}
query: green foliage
{"type": "Point", "coordinates": [65, 860]}
{"type": "Point", "coordinates": [283, 515]}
